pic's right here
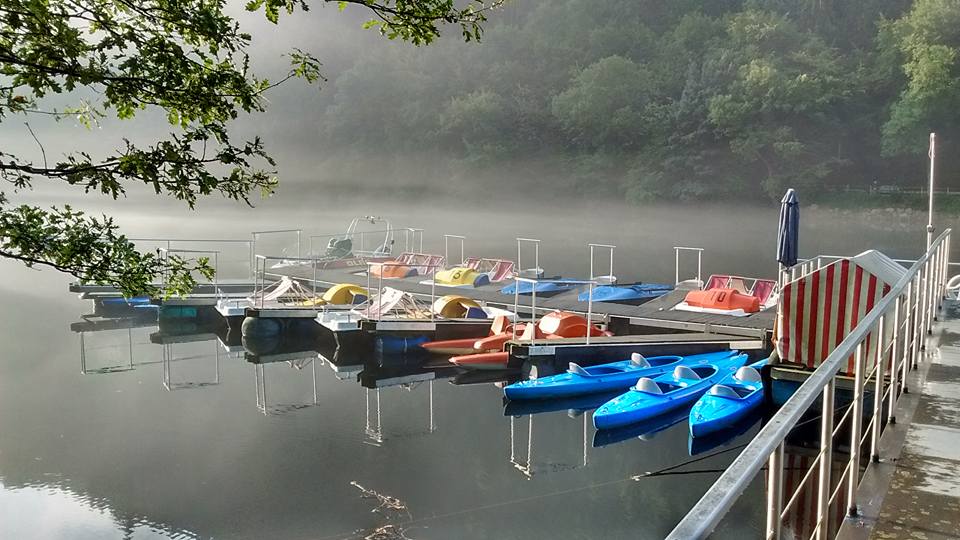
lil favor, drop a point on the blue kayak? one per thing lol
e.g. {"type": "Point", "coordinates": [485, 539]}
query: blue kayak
{"type": "Point", "coordinates": [634, 294]}
{"type": "Point", "coordinates": [544, 288]}
{"type": "Point", "coordinates": [573, 404]}
{"type": "Point", "coordinates": [729, 401]}
{"type": "Point", "coordinates": [653, 397]}
{"type": "Point", "coordinates": [645, 430]}
{"type": "Point", "coordinates": [605, 377]}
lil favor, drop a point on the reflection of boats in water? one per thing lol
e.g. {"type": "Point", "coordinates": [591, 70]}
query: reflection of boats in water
{"type": "Point", "coordinates": [700, 445]}
{"type": "Point", "coordinates": [577, 404]}
{"type": "Point", "coordinates": [643, 430]}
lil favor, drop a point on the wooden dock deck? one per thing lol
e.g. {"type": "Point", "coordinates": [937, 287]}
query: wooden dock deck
{"type": "Point", "coordinates": [656, 314]}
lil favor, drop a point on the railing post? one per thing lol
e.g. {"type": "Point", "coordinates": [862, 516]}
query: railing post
{"type": "Point", "coordinates": [917, 320]}
{"type": "Point", "coordinates": [775, 493]}
{"type": "Point", "coordinates": [826, 462]}
{"type": "Point", "coordinates": [878, 392]}
{"type": "Point", "coordinates": [856, 432]}
{"type": "Point", "coordinates": [894, 366]}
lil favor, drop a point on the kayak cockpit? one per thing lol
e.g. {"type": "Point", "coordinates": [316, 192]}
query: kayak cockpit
{"type": "Point", "coordinates": [731, 391]}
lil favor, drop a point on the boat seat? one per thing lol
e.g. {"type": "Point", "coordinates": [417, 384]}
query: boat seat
{"type": "Point", "coordinates": [748, 374]}
{"type": "Point", "coordinates": [684, 372]}
{"type": "Point", "coordinates": [575, 368]}
{"type": "Point", "coordinates": [638, 360]}
{"type": "Point", "coordinates": [723, 390]}
{"type": "Point", "coordinates": [648, 385]}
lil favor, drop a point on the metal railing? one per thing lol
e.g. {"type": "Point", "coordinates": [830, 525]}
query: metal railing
{"type": "Point", "coordinates": [536, 254]}
{"type": "Point", "coordinates": [610, 248]}
{"type": "Point", "coordinates": [533, 299]}
{"type": "Point", "coordinates": [676, 262]}
{"type": "Point", "coordinates": [446, 248]}
{"type": "Point", "coordinates": [907, 312]}
{"type": "Point", "coordinates": [166, 252]}
{"type": "Point", "coordinates": [433, 284]}
{"type": "Point", "coordinates": [254, 235]}
{"type": "Point", "coordinates": [259, 276]}
{"type": "Point", "coordinates": [412, 240]}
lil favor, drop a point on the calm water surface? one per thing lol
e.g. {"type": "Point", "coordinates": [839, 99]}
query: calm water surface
{"type": "Point", "coordinates": [191, 440]}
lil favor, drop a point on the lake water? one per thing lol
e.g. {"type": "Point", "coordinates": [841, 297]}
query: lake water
{"type": "Point", "coordinates": [191, 440]}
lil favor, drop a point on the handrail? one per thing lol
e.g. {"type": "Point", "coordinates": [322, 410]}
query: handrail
{"type": "Point", "coordinates": [676, 262]}
{"type": "Point", "coordinates": [927, 273]}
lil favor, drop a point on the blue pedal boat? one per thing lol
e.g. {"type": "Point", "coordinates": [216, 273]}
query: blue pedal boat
{"type": "Point", "coordinates": [605, 377]}
{"type": "Point", "coordinates": [729, 401]}
{"type": "Point", "coordinates": [653, 397]}
{"type": "Point", "coordinates": [546, 288]}
{"type": "Point", "coordinates": [632, 294]}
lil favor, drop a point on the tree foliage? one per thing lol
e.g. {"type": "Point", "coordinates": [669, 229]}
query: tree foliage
{"type": "Point", "coordinates": [649, 100]}
{"type": "Point", "coordinates": [188, 59]}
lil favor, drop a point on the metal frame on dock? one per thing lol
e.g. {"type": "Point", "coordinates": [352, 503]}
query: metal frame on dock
{"type": "Point", "coordinates": [912, 303]}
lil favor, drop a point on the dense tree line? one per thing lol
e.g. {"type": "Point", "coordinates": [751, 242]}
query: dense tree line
{"type": "Point", "coordinates": [644, 99]}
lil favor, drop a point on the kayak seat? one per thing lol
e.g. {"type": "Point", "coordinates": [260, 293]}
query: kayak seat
{"type": "Point", "coordinates": [638, 360]}
{"type": "Point", "coordinates": [684, 372]}
{"type": "Point", "coordinates": [748, 374]}
{"type": "Point", "coordinates": [648, 385]}
{"type": "Point", "coordinates": [577, 370]}
{"type": "Point", "coordinates": [723, 390]}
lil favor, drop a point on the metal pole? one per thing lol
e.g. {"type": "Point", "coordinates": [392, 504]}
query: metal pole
{"type": "Point", "coordinates": [878, 392]}
{"type": "Point", "coordinates": [299, 253]}
{"type": "Point", "coordinates": [894, 366]}
{"type": "Point", "coordinates": [83, 355]}
{"type": "Point", "coordinates": [826, 462]}
{"type": "Point", "coordinates": [856, 432]}
{"type": "Point", "coordinates": [774, 493]}
{"type": "Point", "coordinates": [933, 160]}
{"type": "Point", "coordinates": [589, 311]}
{"type": "Point", "coordinates": [699, 266]}
{"type": "Point", "coordinates": [676, 266]}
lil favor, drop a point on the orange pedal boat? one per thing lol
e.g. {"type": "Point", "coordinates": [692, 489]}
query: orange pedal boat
{"type": "Point", "coordinates": [723, 299]}
{"type": "Point", "coordinates": [553, 325]}
{"type": "Point", "coordinates": [501, 325]}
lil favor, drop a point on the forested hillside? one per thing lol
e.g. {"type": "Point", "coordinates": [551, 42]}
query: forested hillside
{"type": "Point", "coordinates": [651, 99]}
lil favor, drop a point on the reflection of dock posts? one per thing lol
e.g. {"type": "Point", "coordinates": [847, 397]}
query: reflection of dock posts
{"type": "Point", "coordinates": [83, 353]}
{"type": "Point", "coordinates": [527, 468]}
{"type": "Point", "coordinates": [676, 263]}
{"type": "Point", "coordinates": [523, 468]}
{"type": "Point", "coordinates": [375, 435]}
{"type": "Point", "coordinates": [433, 426]}
{"type": "Point", "coordinates": [167, 360]}
{"type": "Point", "coordinates": [260, 383]}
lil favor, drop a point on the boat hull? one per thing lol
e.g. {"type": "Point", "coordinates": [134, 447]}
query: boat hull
{"type": "Point", "coordinates": [570, 384]}
{"type": "Point", "coordinates": [489, 360]}
{"type": "Point", "coordinates": [637, 406]}
{"type": "Point", "coordinates": [713, 414]}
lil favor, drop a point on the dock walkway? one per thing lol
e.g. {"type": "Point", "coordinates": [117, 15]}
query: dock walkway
{"type": "Point", "coordinates": [923, 500]}
{"type": "Point", "coordinates": [916, 493]}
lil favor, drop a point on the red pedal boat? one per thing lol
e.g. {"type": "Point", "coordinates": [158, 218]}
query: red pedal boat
{"type": "Point", "coordinates": [553, 325]}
